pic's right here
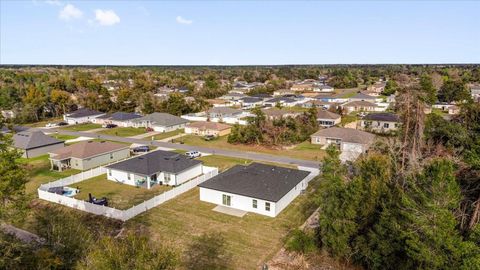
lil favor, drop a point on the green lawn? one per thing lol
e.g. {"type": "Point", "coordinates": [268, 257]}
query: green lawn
{"type": "Point", "coordinates": [165, 135]}
{"type": "Point", "coordinates": [222, 162]}
{"type": "Point", "coordinates": [252, 239]}
{"type": "Point", "coordinates": [349, 118]}
{"type": "Point", "coordinates": [39, 172]}
{"type": "Point", "coordinates": [123, 131]}
{"type": "Point", "coordinates": [63, 137]}
{"type": "Point", "coordinates": [82, 127]}
{"type": "Point", "coordinates": [120, 196]}
{"type": "Point", "coordinates": [44, 122]}
{"type": "Point", "coordinates": [300, 151]}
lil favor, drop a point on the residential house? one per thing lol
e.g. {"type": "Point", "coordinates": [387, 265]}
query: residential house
{"type": "Point", "coordinates": [121, 119]}
{"type": "Point", "coordinates": [257, 188]}
{"type": "Point", "coordinates": [358, 106]}
{"type": "Point", "coordinates": [282, 101]}
{"type": "Point", "coordinates": [8, 114]}
{"type": "Point", "coordinates": [444, 106]}
{"type": "Point", "coordinates": [204, 128]}
{"type": "Point", "coordinates": [276, 113]}
{"type": "Point", "coordinates": [377, 87]}
{"type": "Point", "coordinates": [155, 168]}
{"type": "Point", "coordinates": [283, 92]}
{"type": "Point", "coordinates": [302, 87]}
{"type": "Point", "coordinates": [220, 114]}
{"type": "Point", "coordinates": [35, 143]}
{"type": "Point", "coordinates": [380, 122]}
{"type": "Point", "coordinates": [371, 93]}
{"type": "Point", "coordinates": [332, 99]}
{"type": "Point", "coordinates": [351, 142]}
{"type": "Point", "coordinates": [162, 122]}
{"type": "Point", "coordinates": [220, 102]}
{"type": "Point", "coordinates": [319, 104]}
{"type": "Point", "coordinates": [364, 97]}
{"type": "Point", "coordinates": [250, 102]}
{"type": "Point", "coordinates": [83, 115]}
{"type": "Point", "coordinates": [87, 155]}
{"type": "Point", "coordinates": [232, 96]}
{"type": "Point", "coordinates": [328, 119]}
{"type": "Point", "coordinates": [453, 110]}
{"type": "Point", "coordinates": [323, 88]}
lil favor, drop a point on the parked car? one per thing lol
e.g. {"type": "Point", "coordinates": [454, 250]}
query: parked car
{"type": "Point", "coordinates": [193, 154]}
{"type": "Point", "coordinates": [62, 124]}
{"type": "Point", "coordinates": [51, 125]}
{"type": "Point", "coordinates": [109, 126]}
{"type": "Point", "coordinates": [141, 149]}
{"type": "Point", "coordinates": [209, 137]}
{"type": "Point", "coordinates": [149, 129]}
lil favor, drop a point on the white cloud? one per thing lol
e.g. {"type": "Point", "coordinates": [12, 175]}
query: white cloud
{"type": "Point", "coordinates": [182, 20]}
{"type": "Point", "coordinates": [70, 12]}
{"type": "Point", "coordinates": [54, 2]}
{"type": "Point", "coordinates": [106, 17]}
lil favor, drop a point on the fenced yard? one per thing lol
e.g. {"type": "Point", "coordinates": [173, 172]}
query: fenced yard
{"type": "Point", "coordinates": [111, 212]}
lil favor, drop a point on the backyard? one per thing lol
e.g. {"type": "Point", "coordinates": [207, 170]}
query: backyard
{"type": "Point", "coordinates": [120, 196]}
{"type": "Point", "coordinates": [82, 127]}
{"type": "Point", "coordinates": [63, 137]}
{"type": "Point", "coordinates": [304, 150]}
{"type": "Point", "coordinates": [39, 172]}
{"type": "Point", "coordinates": [252, 239]}
{"type": "Point", "coordinates": [123, 131]}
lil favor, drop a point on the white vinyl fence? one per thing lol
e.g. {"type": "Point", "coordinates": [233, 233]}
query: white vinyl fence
{"type": "Point", "coordinates": [110, 212]}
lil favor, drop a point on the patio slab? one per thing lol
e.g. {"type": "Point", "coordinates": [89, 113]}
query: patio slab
{"type": "Point", "coordinates": [229, 211]}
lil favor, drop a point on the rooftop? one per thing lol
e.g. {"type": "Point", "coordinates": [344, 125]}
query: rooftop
{"type": "Point", "coordinates": [154, 162]}
{"type": "Point", "coordinates": [28, 140]}
{"type": "Point", "coordinates": [261, 181]}
{"type": "Point", "coordinates": [162, 119]}
{"type": "Point", "coordinates": [389, 117]}
{"type": "Point", "coordinates": [346, 135]}
{"type": "Point", "coordinates": [86, 149]}
{"type": "Point", "coordinates": [83, 112]}
{"type": "Point", "coordinates": [324, 114]}
{"type": "Point", "coordinates": [208, 125]}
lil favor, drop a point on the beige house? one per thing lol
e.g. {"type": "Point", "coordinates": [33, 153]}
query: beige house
{"type": "Point", "coordinates": [208, 128]}
{"type": "Point", "coordinates": [300, 87]}
{"type": "Point", "coordinates": [380, 122]}
{"type": "Point", "coordinates": [87, 154]}
{"type": "Point", "coordinates": [328, 119]}
{"type": "Point", "coordinates": [377, 87]}
{"type": "Point", "coordinates": [358, 106]}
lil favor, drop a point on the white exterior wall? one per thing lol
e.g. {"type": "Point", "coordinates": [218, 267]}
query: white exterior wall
{"type": "Point", "coordinates": [237, 201]}
{"type": "Point", "coordinates": [352, 147]}
{"type": "Point", "coordinates": [92, 162]}
{"type": "Point", "coordinates": [167, 129]}
{"type": "Point", "coordinates": [290, 196]}
{"type": "Point", "coordinates": [188, 174]}
{"type": "Point", "coordinates": [80, 120]}
{"type": "Point", "coordinates": [122, 177]}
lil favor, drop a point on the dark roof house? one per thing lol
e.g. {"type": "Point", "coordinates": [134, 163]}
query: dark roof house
{"type": "Point", "coordinates": [386, 117]}
{"type": "Point", "coordinates": [35, 143]}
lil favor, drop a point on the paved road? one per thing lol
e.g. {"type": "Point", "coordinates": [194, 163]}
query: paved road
{"type": "Point", "coordinates": [215, 151]}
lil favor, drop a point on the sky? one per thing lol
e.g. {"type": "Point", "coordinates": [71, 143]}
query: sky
{"type": "Point", "coordinates": [238, 32]}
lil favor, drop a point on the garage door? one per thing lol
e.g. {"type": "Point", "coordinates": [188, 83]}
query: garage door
{"type": "Point", "coordinates": [351, 147]}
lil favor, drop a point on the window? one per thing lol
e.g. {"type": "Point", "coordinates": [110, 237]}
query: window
{"type": "Point", "coordinates": [167, 177]}
{"type": "Point", "coordinates": [110, 172]}
{"type": "Point", "coordinates": [267, 206]}
{"type": "Point", "coordinates": [128, 176]}
{"type": "Point", "coordinates": [111, 155]}
{"type": "Point", "coordinates": [386, 125]}
{"type": "Point", "coordinates": [254, 204]}
{"type": "Point", "coordinates": [226, 200]}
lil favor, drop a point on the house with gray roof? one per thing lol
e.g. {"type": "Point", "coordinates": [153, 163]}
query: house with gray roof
{"type": "Point", "coordinates": [35, 143]}
{"type": "Point", "coordinates": [155, 168]}
{"type": "Point", "coordinates": [257, 188]}
{"type": "Point", "coordinates": [351, 142]}
{"type": "Point", "coordinates": [283, 101]}
{"type": "Point", "coordinates": [161, 122]}
{"type": "Point", "coordinates": [380, 122]}
{"type": "Point", "coordinates": [82, 115]}
{"type": "Point", "coordinates": [328, 119]}
{"type": "Point", "coordinates": [121, 119]}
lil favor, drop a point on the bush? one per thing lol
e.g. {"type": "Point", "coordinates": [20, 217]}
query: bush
{"type": "Point", "coordinates": [301, 242]}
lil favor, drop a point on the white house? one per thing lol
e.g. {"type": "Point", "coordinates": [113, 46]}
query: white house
{"type": "Point", "coordinates": [162, 122]}
{"type": "Point", "coordinates": [258, 188]}
{"type": "Point", "coordinates": [156, 167]}
{"type": "Point", "coordinates": [220, 114]}
{"type": "Point", "coordinates": [283, 101]}
{"type": "Point", "coordinates": [121, 119]}
{"type": "Point", "coordinates": [380, 122]}
{"type": "Point", "coordinates": [328, 119]}
{"type": "Point", "coordinates": [83, 115]}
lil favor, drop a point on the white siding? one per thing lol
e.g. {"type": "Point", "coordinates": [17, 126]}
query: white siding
{"type": "Point", "coordinates": [290, 196]}
{"type": "Point", "coordinates": [237, 201]}
{"type": "Point", "coordinates": [186, 175]}
{"type": "Point", "coordinates": [122, 177]}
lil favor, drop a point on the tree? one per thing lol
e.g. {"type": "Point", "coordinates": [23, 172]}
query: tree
{"type": "Point", "coordinates": [61, 100]}
{"type": "Point", "coordinates": [426, 85]}
{"type": "Point", "coordinates": [453, 90]}
{"type": "Point", "coordinates": [130, 252]}
{"type": "Point", "coordinates": [12, 180]}
{"type": "Point", "coordinates": [208, 252]}
{"type": "Point", "coordinates": [390, 88]}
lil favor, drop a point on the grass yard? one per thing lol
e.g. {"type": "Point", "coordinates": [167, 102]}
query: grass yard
{"type": "Point", "coordinates": [39, 172]}
{"type": "Point", "coordinates": [165, 135]}
{"type": "Point", "coordinates": [44, 122]}
{"type": "Point", "coordinates": [82, 127]}
{"type": "Point", "coordinates": [222, 162]}
{"type": "Point", "coordinates": [63, 137]}
{"type": "Point", "coordinates": [301, 151]}
{"type": "Point", "coordinates": [349, 118]}
{"type": "Point", "coordinates": [252, 239]}
{"type": "Point", "coordinates": [123, 131]}
{"type": "Point", "coordinates": [120, 196]}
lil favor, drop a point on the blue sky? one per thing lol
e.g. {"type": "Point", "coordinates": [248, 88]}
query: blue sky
{"type": "Point", "coordinates": [238, 33]}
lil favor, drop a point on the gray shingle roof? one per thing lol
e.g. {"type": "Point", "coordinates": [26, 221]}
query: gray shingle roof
{"type": "Point", "coordinates": [346, 135]}
{"type": "Point", "coordinates": [362, 96]}
{"type": "Point", "coordinates": [83, 112]}
{"type": "Point", "coordinates": [154, 162]}
{"type": "Point", "coordinates": [260, 181]}
{"type": "Point", "coordinates": [123, 116]}
{"type": "Point", "coordinates": [29, 140]}
{"type": "Point", "coordinates": [162, 119]}
{"type": "Point", "coordinates": [323, 114]}
{"type": "Point", "coordinates": [390, 117]}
